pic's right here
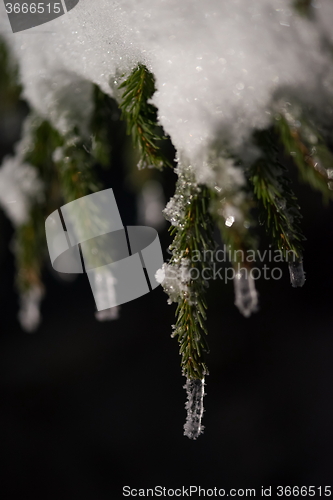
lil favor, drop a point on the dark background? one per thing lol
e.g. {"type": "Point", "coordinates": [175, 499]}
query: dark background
{"type": "Point", "coordinates": [87, 408]}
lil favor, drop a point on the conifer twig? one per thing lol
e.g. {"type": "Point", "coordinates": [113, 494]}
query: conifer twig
{"type": "Point", "coordinates": [141, 117]}
{"type": "Point", "coordinates": [279, 208]}
{"type": "Point", "coordinates": [185, 282]}
{"type": "Point", "coordinates": [41, 140]}
{"type": "Point", "coordinates": [309, 159]}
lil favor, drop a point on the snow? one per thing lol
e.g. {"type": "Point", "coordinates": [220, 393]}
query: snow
{"type": "Point", "coordinates": [223, 68]}
{"type": "Point", "coordinates": [175, 279]}
{"type": "Point", "coordinates": [19, 182]}
{"type": "Point", "coordinates": [218, 64]}
{"type": "Point", "coordinates": [187, 186]}
{"type": "Point", "coordinates": [19, 185]}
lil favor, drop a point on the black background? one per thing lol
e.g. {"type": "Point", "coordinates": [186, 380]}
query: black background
{"type": "Point", "coordinates": [87, 408]}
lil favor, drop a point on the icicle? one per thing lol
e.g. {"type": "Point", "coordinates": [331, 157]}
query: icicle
{"type": "Point", "coordinates": [151, 203]}
{"type": "Point", "coordinates": [246, 296]}
{"type": "Point", "coordinates": [104, 289]}
{"type": "Point", "coordinates": [108, 314]}
{"type": "Point", "coordinates": [329, 173]}
{"type": "Point", "coordinates": [194, 405]}
{"type": "Point", "coordinates": [297, 274]}
{"type": "Point", "coordinates": [29, 314]}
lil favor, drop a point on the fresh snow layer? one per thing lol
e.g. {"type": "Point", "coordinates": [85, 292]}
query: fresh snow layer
{"type": "Point", "coordinates": [218, 64]}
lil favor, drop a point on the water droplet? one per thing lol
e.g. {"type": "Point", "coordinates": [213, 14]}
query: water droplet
{"type": "Point", "coordinates": [229, 221]}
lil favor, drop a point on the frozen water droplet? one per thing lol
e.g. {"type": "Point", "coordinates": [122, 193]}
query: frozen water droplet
{"type": "Point", "coordinates": [297, 274]}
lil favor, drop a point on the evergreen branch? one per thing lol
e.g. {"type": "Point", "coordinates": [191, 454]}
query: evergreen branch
{"type": "Point", "coordinates": [303, 7]}
{"type": "Point", "coordinates": [141, 117]}
{"type": "Point", "coordinates": [65, 168]}
{"type": "Point", "coordinates": [30, 251]}
{"type": "Point", "coordinates": [58, 162]}
{"type": "Point", "coordinates": [10, 89]}
{"type": "Point", "coordinates": [29, 256]}
{"type": "Point", "coordinates": [192, 238]}
{"type": "Point", "coordinates": [77, 179]}
{"type": "Point", "coordinates": [280, 210]}
{"type": "Point", "coordinates": [28, 241]}
{"type": "Point", "coordinates": [75, 169]}
{"type": "Point", "coordinates": [190, 326]}
{"type": "Point", "coordinates": [42, 141]}
{"type": "Point", "coordinates": [309, 160]}
{"type": "Point", "coordinates": [64, 164]}
{"type": "Point", "coordinates": [105, 112]}
{"type": "Point", "coordinates": [38, 145]}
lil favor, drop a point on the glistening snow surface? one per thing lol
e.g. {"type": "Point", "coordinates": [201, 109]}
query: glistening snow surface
{"type": "Point", "coordinates": [218, 64]}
